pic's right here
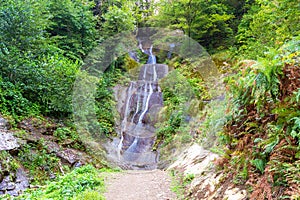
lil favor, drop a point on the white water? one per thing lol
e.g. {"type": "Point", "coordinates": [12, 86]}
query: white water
{"type": "Point", "coordinates": [154, 73]}
{"type": "Point", "coordinates": [143, 89]}
{"type": "Point", "coordinates": [141, 46]}
{"type": "Point", "coordinates": [152, 58]}
{"type": "Point", "coordinates": [132, 147]}
{"type": "Point", "coordinates": [124, 122]}
{"type": "Point", "coordinates": [146, 105]}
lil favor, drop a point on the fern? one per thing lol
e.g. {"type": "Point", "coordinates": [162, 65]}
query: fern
{"type": "Point", "coordinates": [297, 95]}
{"type": "Point", "coordinates": [295, 133]}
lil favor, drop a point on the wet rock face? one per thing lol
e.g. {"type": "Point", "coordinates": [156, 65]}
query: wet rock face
{"type": "Point", "coordinates": [161, 71]}
{"type": "Point", "coordinates": [139, 105]}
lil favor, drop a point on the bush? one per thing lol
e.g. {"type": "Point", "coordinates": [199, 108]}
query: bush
{"type": "Point", "coordinates": [12, 101]}
{"type": "Point", "coordinates": [46, 80]}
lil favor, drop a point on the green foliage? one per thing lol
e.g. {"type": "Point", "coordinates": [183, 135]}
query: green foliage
{"type": "Point", "coordinates": [211, 129]}
{"type": "Point", "coordinates": [39, 162]}
{"type": "Point", "coordinates": [180, 182]}
{"type": "Point", "coordinates": [176, 93]}
{"type": "Point", "coordinates": [7, 163]}
{"type": "Point", "coordinates": [45, 80]}
{"type": "Point", "coordinates": [22, 23]}
{"type": "Point", "coordinates": [64, 133]}
{"type": "Point", "coordinates": [13, 103]}
{"type": "Point", "coordinates": [73, 26]}
{"type": "Point", "coordinates": [259, 164]}
{"type": "Point", "coordinates": [259, 83]}
{"type": "Point", "coordinates": [142, 11]}
{"type": "Point", "coordinates": [176, 89]}
{"type": "Point", "coordinates": [268, 24]}
{"type": "Point", "coordinates": [205, 21]}
{"type": "Point", "coordinates": [188, 178]}
{"type": "Point", "coordinates": [38, 38]}
{"type": "Point", "coordinates": [168, 129]}
{"type": "Point", "coordinates": [117, 20]}
{"type": "Point", "coordinates": [263, 124]}
{"type": "Point", "coordinates": [105, 102]}
{"type": "Point", "coordinates": [89, 195]}
{"type": "Point", "coordinates": [74, 185]}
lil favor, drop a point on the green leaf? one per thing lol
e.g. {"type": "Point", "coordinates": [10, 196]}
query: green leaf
{"type": "Point", "coordinates": [259, 164]}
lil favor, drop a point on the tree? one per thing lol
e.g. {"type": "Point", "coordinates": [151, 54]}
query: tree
{"type": "Point", "coordinates": [205, 21]}
{"type": "Point", "coordinates": [117, 20]}
{"type": "Point", "coordinates": [73, 26]}
{"type": "Point", "coordinates": [22, 24]}
{"type": "Point", "coordinates": [268, 24]}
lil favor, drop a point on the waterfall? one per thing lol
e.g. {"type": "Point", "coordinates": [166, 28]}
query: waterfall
{"type": "Point", "coordinates": [133, 148]}
{"type": "Point", "coordinates": [152, 58]}
{"type": "Point", "coordinates": [124, 122]}
{"type": "Point", "coordinates": [145, 109]}
{"type": "Point", "coordinates": [141, 46]}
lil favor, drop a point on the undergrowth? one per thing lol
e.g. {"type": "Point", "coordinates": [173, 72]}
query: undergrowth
{"type": "Point", "coordinates": [82, 183]}
{"type": "Point", "coordinates": [262, 131]}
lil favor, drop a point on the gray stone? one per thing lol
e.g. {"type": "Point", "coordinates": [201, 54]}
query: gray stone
{"type": "Point", "coordinates": [68, 155]}
{"type": "Point", "coordinates": [20, 184]}
{"type": "Point", "coordinates": [71, 156]}
{"type": "Point", "coordinates": [161, 70]}
{"type": "Point", "coordinates": [3, 123]}
{"type": "Point", "coordinates": [11, 186]}
{"type": "Point", "coordinates": [7, 141]}
{"type": "Point", "coordinates": [3, 185]}
{"type": "Point", "coordinates": [206, 185]}
{"type": "Point", "coordinates": [77, 164]}
{"type": "Point", "coordinates": [14, 188]}
{"type": "Point", "coordinates": [52, 147]}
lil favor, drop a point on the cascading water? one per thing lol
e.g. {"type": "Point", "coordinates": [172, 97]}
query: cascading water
{"type": "Point", "coordinates": [140, 109]}
{"type": "Point", "coordinates": [152, 58]}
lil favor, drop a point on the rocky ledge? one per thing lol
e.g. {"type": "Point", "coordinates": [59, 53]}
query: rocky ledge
{"type": "Point", "coordinates": [208, 183]}
{"type": "Point", "coordinates": [14, 177]}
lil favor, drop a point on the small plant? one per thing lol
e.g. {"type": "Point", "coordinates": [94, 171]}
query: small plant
{"type": "Point", "coordinates": [188, 179]}
{"type": "Point", "coordinates": [78, 184]}
{"type": "Point", "coordinates": [64, 133]}
{"type": "Point", "coordinates": [38, 160]}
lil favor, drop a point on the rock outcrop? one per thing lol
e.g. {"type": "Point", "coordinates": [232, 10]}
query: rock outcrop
{"type": "Point", "coordinates": [12, 181]}
{"type": "Point", "coordinates": [14, 178]}
{"type": "Point", "coordinates": [207, 183]}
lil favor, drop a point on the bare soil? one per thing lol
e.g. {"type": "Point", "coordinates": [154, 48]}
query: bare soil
{"type": "Point", "coordinates": [139, 185]}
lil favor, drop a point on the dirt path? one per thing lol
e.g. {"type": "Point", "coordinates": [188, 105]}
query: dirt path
{"type": "Point", "coordinates": [139, 185]}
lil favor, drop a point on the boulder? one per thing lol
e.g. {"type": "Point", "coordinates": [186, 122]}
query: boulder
{"type": "Point", "coordinates": [72, 156]}
{"type": "Point", "coordinates": [8, 141]}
